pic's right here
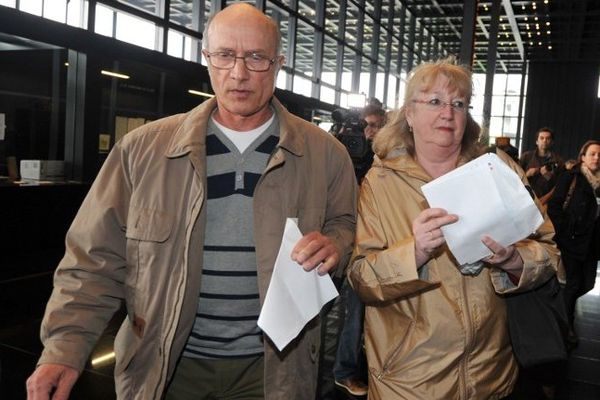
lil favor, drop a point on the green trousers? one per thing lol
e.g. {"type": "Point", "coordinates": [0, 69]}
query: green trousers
{"type": "Point", "coordinates": [240, 378]}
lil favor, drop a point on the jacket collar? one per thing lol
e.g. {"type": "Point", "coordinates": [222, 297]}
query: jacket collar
{"type": "Point", "coordinates": [191, 134]}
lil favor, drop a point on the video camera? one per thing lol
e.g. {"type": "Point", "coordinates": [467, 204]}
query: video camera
{"type": "Point", "coordinates": [551, 166]}
{"type": "Point", "coordinates": [349, 129]}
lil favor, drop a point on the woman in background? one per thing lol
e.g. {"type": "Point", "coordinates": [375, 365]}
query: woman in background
{"type": "Point", "coordinates": [445, 335]}
{"type": "Point", "coordinates": [574, 209]}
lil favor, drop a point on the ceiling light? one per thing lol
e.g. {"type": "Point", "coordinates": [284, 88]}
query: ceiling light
{"type": "Point", "coordinates": [114, 74]}
{"type": "Point", "coordinates": [549, 47]}
{"type": "Point", "coordinates": [539, 43]}
{"type": "Point", "coordinates": [547, 23]}
{"type": "Point", "coordinates": [523, 7]}
{"type": "Point", "coordinates": [531, 43]}
{"type": "Point", "coordinates": [547, 32]}
{"type": "Point", "coordinates": [536, 18]}
{"type": "Point", "coordinates": [539, 33]}
{"type": "Point", "coordinates": [506, 34]}
{"type": "Point", "coordinates": [546, 1]}
{"type": "Point", "coordinates": [526, 19]}
{"type": "Point", "coordinates": [529, 34]}
{"type": "Point", "coordinates": [527, 25]}
{"type": "Point", "coordinates": [199, 93]}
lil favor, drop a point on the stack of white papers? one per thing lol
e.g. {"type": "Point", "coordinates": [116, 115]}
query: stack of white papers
{"type": "Point", "coordinates": [489, 199]}
{"type": "Point", "coordinates": [295, 296]}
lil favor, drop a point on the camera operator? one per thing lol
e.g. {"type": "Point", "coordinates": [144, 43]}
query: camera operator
{"type": "Point", "coordinates": [542, 166]}
{"type": "Point", "coordinates": [356, 131]}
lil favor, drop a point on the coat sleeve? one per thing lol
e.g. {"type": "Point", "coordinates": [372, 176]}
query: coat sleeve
{"type": "Point", "coordinates": [340, 216]}
{"type": "Point", "coordinates": [89, 281]}
{"type": "Point", "coordinates": [539, 252]}
{"type": "Point", "coordinates": [379, 270]}
{"type": "Point", "coordinates": [555, 204]}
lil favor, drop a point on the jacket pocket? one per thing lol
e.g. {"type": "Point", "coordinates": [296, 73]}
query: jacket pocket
{"type": "Point", "coordinates": [391, 358]}
{"type": "Point", "coordinates": [147, 231]}
{"type": "Point", "coordinates": [148, 225]}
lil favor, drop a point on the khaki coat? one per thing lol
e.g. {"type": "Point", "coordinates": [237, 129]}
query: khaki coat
{"type": "Point", "coordinates": [444, 335]}
{"type": "Point", "coordinates": [138, 238]}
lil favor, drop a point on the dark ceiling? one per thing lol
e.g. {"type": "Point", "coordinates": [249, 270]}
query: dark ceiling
{"type": "Point", "coordinates": [566, 30]}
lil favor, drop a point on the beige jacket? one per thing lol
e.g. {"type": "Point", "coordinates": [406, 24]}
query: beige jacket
{"type": "Point", "coordinates": [138, 236]}
{"type": "Point", "coordinates": [445, 335]}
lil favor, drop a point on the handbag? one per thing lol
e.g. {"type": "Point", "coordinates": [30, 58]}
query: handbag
{"type": "Point", "coordinates": [537, 324]}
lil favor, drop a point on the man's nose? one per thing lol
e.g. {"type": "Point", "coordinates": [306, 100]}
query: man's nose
{"type": "Point", "coordinates": [239, 70]}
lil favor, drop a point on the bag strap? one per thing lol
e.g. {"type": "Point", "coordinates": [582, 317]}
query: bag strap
{"type": "Point", "coordinates": [570, 193]}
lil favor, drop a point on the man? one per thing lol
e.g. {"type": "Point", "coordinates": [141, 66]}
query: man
{"type": "Point", "coordinates": [349, 369]}
{"type": "Point", "coordinates": [184, 222]}
{"type": "Point", "coordinates": [542, 166]}
{"type": "Point", "coordinates": [374, 116]}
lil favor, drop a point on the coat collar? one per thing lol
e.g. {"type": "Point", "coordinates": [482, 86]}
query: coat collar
{"type": "Point", "coordinates": [191, 134]}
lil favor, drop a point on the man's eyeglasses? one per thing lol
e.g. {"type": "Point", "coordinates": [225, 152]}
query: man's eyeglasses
{"type": "Point", "coordinates": [226, 60]}
{"type": "Point", "coordinates": [438, 105]}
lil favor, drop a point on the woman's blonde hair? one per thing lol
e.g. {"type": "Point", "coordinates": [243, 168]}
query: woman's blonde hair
{"type": "Point", "coordinates": [397, 132]}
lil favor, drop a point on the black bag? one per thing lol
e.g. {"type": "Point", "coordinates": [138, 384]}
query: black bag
{"type": "Point", "coordinates": [538, 325]}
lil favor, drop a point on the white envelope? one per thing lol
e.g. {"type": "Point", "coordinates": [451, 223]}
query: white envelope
{"type": "Point", "coordinates": [295, 296]}
{"type": "Point", "coordinates": [489, 199]}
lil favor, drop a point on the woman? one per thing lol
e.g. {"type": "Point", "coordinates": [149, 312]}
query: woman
{"type": "Point", "coordinates": [443, 335]}
{"type": "Point", "coordinates": [574, 208]}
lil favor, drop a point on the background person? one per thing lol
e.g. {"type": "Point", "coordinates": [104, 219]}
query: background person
{"type": "Point", "coordinates": [449, 337]}
{"type": "Point", "coordinates": [574, 209]}
{"type": "Point", "coordinates": [350, 365]}
{"type": "Point", "coordinates": [184, 223]}
{"type": "Point", "coordinates": [541, 165]}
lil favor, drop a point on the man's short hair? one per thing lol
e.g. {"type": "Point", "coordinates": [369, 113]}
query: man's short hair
{"type": "Point", "coordinates": [544, 129]}
{"type": "Point", "coordinates": [372, 109]}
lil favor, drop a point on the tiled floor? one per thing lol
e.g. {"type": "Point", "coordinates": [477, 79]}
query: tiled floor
{"type": "Point", "coordinates": [22, 302]}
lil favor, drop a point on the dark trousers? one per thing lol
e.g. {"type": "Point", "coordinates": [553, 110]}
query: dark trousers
{"type": "Point", "coordinates": [239, 379]}
{"type": "Point", "coordinates": [581, 276]}
{"type": "Point", "coordinates": [350, 360]}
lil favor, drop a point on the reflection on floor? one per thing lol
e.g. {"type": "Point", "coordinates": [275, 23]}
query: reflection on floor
{"type": "Point", "coordinates": [23, 299]}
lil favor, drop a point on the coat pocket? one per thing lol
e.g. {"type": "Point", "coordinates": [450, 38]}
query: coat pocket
{"type": "Point", "coordinates": [147, 232]}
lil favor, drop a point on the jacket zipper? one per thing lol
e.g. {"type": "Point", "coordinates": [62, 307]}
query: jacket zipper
{"type": "Point", "coordinates": [468, 343]}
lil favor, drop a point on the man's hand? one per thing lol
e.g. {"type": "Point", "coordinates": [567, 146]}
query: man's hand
{"type": "Point", "coordinates": [531, 172]}
{"type": "Point", "coordinates": [313, 249]}
{"type": "Point", "coordinates": [546, 172]}
{"type": "Point", "coordinates": [51, 381]}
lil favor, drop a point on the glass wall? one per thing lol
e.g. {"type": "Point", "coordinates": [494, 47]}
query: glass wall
{"type": "Point", "coordinates": [359, 53]}
{"type": "Point", "coordinates": [333, 48]}
{"type": "Point", "coordinates": [505, 118]}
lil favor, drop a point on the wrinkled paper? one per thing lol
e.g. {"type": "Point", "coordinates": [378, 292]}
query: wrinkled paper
{"type": "Point", "coordinates": [295, 296]}
{"type": "Point", "coordinates": [489, 199]}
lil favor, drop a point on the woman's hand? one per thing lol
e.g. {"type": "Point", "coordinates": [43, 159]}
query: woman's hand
{"type": "Point", "coordinates": [505, 258]}
{"type": "Point", "coordinates": [427, 233]}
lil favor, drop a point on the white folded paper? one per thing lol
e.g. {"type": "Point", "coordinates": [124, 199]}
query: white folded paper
{"type": "Point", "coordinates": [295, 296]}
{"type": "Point", "coordinates": [489, 199]}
